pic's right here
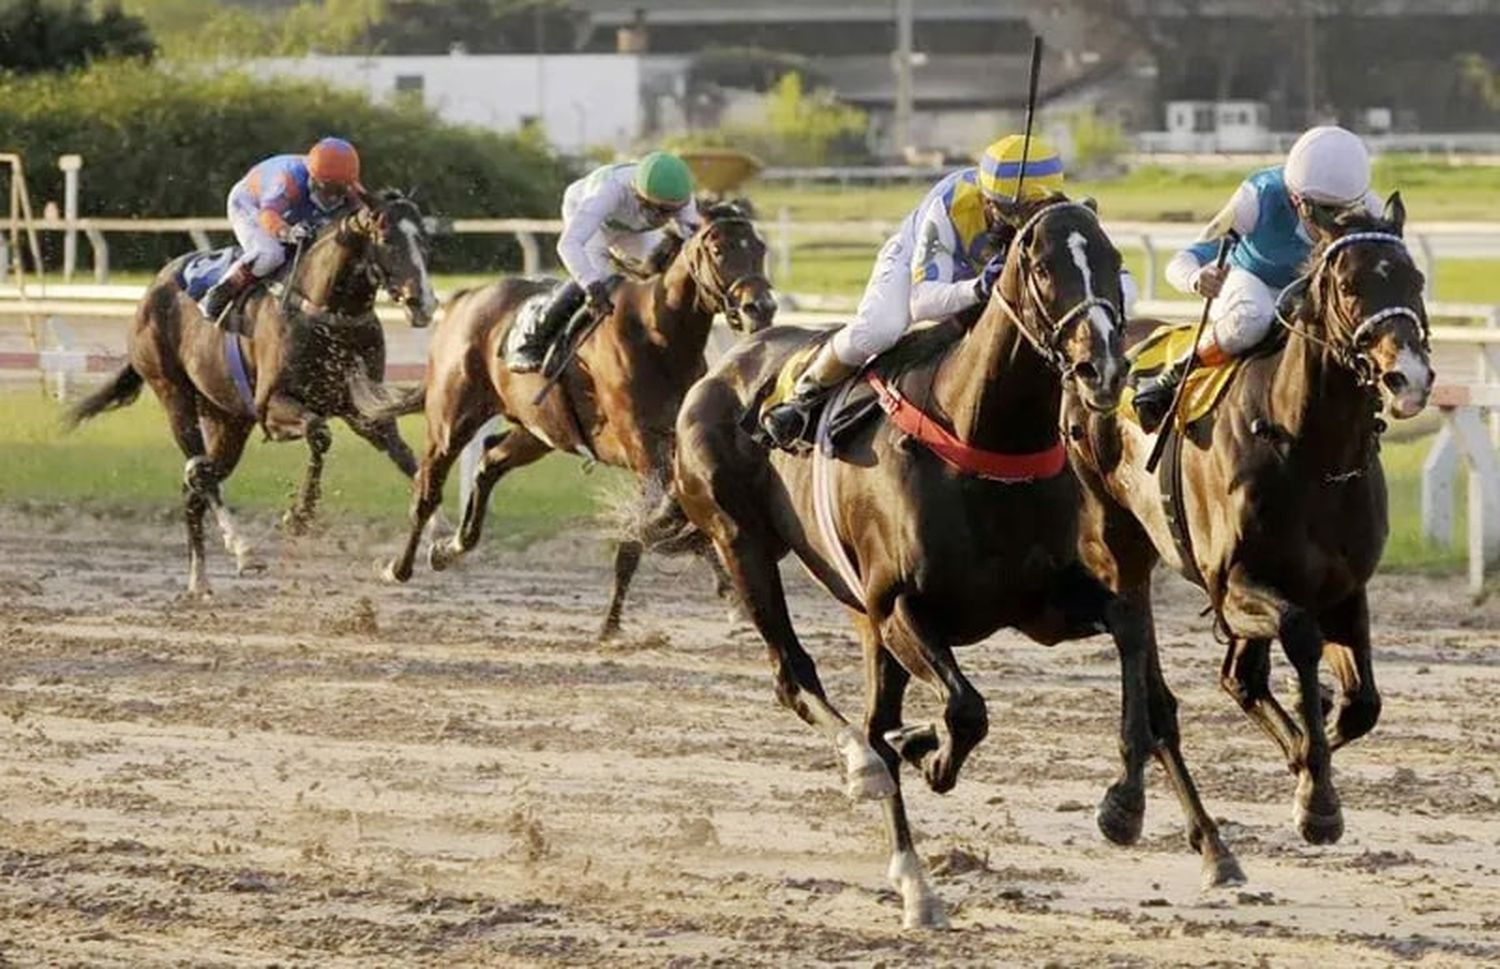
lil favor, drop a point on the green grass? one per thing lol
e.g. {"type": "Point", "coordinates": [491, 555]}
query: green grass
{"type": "Point", "coordinates": [126, 461]}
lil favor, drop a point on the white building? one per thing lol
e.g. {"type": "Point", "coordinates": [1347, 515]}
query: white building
{"type": "Point", "coordinates": [581, 100]}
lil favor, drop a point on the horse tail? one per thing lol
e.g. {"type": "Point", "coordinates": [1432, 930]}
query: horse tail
{"type": "Point", "coordinates": [121, 390]}
{"type": "Point", "coordinates": [377, 402]}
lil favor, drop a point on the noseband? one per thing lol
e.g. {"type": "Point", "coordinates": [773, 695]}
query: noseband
{"type": "Point", "coordinates": [1048, 345]}
{"type": "Point", "coordinates": [710, 280]}
{"type": "Point", "coordinates": [1351, 353]}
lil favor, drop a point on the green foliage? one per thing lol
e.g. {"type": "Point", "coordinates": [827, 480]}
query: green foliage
{"type": "Point", "coordinates": [37, 36]}
{"type": "Point", "coordinates": [748, 68]}
{"type": "Point", "coordinates": [799, 128]}
{"type": "Point", "coordinates": [172, 143]}
{"type": "Point", "coordinates": [1098, 143]}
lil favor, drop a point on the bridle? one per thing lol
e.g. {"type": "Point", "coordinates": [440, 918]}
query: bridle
{"type": "Point", "coordinates": [709, 278]}
{"type": "Point", "coordinates": [1353, 353]}
{"type": "Point", "coordinates": [1048, 344]}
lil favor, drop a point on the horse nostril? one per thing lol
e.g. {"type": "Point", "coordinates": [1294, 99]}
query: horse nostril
{"type": "Point", "coordinates": [1086, 372]}
{"type": "Point", "coordinates": [1395, 381]}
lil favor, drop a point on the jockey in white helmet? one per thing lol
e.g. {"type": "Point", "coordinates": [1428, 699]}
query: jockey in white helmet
{"type": "Point", "coordinates": [1328, 168]}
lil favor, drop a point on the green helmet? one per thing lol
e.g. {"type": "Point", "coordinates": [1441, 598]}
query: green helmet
{"type": "Point", "coordinates": [663, 179]}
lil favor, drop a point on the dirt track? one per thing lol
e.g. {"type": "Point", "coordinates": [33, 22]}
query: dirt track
{"type": "Point", "coordinates": [316, 769]}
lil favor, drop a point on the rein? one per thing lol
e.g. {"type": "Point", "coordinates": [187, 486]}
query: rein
{"type": "Point", "coordinates": [1048, 349]}
{"type": "Point", "coordinates": [346, 234]}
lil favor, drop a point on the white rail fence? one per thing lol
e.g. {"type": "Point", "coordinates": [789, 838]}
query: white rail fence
{"type": "Point", "coordinates": [1468, 441]}
{"type": "Point", "coordinates": [1432, 241]}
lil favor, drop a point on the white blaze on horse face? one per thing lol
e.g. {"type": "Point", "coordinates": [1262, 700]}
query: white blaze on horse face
{"type": "Point", "coordinates": [1078, 246]}
{"type": "Point", "coordinates": [1418, 386]}
{"type": "Point", "coordinates": [429, 298]}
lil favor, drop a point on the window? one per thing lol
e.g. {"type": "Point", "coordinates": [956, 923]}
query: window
{"type": "Point", "coordinates": [409, 87]}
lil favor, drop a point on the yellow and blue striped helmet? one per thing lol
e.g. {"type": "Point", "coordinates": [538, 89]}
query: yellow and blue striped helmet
{"type": "Point", "coordinates": [1000, 169]}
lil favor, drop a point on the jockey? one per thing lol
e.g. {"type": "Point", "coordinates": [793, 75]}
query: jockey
{"type": "Point", "coordinates": [616, 210]}
{"type": "Point", "coordinates": [944, 260]}
{"type": "Point", "coordinates": [1327, 170]}
{"type": "Point", "coordinates": [282, 201]}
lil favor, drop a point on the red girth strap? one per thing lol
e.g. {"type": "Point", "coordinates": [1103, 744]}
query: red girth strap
{"type": "Point", "coordinates": [991, 465]}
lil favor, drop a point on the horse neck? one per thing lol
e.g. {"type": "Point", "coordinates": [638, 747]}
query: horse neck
{"type": "Point", "coordinates": [997, 390]}
{"type": "Point", "coordinates": [676, 316]}
{"type": "Point", "coordinates": [327, 277]}
{"type": "Point", "coordinates": [1318, 403]}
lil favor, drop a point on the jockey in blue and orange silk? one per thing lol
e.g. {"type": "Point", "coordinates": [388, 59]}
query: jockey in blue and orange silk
{"type": "Point", "coordinates": [943, 260]}
{"type": "Point", "coordinates": [1329, 169]}
{"type": "Point", "coordinates": [282, 201]}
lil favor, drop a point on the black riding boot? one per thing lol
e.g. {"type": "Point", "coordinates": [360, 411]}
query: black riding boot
{"type": "Point", "coordinates": [1154, 397]}
{"type": "Point", "coordinates": [786, 424]}
{"type": "Point", "coordinates": [221, 295]}
{"type": "Point", "coordinates": [529, 353]}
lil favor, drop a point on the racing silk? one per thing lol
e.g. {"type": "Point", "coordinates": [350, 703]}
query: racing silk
{"type": "Point", "coordinates": [1273, 242]}
{"type": "Point", "coordinates": [276, 193]}
{"type": "Point", "coordinates": [951, 244]}
{"type": "Point", "coordinates": [604, 201]}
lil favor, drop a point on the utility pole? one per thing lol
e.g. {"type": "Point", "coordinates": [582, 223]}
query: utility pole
{"type": "Point", "coordinates": [901, 62]}
{"type": "Point", "coordinates": [1310, 60]}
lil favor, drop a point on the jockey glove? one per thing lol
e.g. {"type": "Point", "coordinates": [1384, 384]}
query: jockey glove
{"type": "Point", "coordinates": [299, 233]}
{"type": "Point", "coordinates": [985, 284]}
{"type": "Point", "coordinates": [598, 295]}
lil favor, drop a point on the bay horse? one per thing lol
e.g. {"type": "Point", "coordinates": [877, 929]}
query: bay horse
{"type": "Point", "coordinates": [935, 556]}
{"type": "Point", "coordinates": [1281, 496]}
{"type": "Point", "coordinates": [297, 352]}
{"type": "Point", "coordinates": [616, 404]}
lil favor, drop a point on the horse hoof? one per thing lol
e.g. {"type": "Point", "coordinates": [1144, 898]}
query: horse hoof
{"type": "Point", "coordinates": [394, 575]}
{"type": "Point", "coordinates": [1222, 872]}
{"type": "Point", "coordinates": [250, 565]}
{"type": "Point", "coordinates": [1318, 828]}
{"type": "Point", "coordinates": [1121, 814]}
{"type": "Point", "coordinates": [294, 524]}
{"type": "Point", "coordinates": [925, 912]}
{"type": "Point", "coordinates": [609, 630]}
{"type": "Point", "coordinates": [440, 555]}
{"type": "Point", "coordinates": [871, 782]}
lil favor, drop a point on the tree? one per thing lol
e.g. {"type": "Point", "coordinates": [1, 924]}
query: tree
{"type": "Point", "coordinates": [38, 36]}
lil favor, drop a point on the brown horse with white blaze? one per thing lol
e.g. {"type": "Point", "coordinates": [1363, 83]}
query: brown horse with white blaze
{"type": "Point", "coordinates": [928, 556]}
{"type": "Point", "coordinates": [616, 403]}
{"type": "Point", "coordinates": [287, 362]}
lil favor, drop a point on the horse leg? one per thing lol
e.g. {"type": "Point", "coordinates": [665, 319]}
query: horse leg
{"type": "Point", "coordinates": [319, 439]}
{"type": "Point", "coordinates": [1220, 868]}
{"type": "Point", "coordinates": [1347, 650]}
{"type": "Point", "coordinates": [386, 438]}
{"type": "Point", "coordinates": [885, 691]}
{"type": "Point", "coordinates": [940, 751]}
{"type": "Point", "coordinates": [1253, 610]}
{"type": "Point", "coordinates": [627, 560]}
{"type": "Point", "coordinates": [179, 400]}
{"type": "Point", "coordinates": [506, 451]}
{"type": "Point", "coordinates": [225, 438]}
{"type": "Point", "coordinates": [1246, 676]}
{"type": "Point", "coordinates": [426, 498]}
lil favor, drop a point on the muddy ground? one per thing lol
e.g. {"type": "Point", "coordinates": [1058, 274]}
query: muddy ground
{"type": "Point", "coordinates": [317, 769]}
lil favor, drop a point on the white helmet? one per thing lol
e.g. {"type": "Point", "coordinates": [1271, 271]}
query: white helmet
{"type": "Point", "coordinates": [1329, 164]}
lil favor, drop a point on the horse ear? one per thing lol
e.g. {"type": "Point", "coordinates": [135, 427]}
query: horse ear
{"type": "Point", "coordinates": [1090, 203]}
{"type": "Point", "coordinates": [1395, 212]}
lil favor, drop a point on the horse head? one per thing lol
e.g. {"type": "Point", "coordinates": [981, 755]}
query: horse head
{"type": "Point", "coordinates": [389, 226]}
{"type": "Point", "coordinates": [1367, 292]}
{"type": "Point", "coordinates": [1061, 288]}
{"type": "Point", "coordinates": [727, 259]}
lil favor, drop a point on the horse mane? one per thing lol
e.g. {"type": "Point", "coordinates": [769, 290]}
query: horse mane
{"type": "Point", "coordinates": [736, 208]}
{"type": "Point", "coordinates": [1356, 218]}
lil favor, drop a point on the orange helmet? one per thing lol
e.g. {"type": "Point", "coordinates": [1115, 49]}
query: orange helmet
{"type": "Point", "coordinates": [334, 161]}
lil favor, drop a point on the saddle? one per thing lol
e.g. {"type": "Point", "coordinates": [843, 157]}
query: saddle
{"type": "Point", "coordinates": [856, 399]}
{"type": "Point", "coordinates": [1204, 387]}
{"type": "Point", "coordinates": [199, 271]}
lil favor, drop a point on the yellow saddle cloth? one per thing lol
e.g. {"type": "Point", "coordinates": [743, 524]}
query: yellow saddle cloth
{"type": "Point", "coordinates": [786, 379]}
{"type": "Point", "coordinates": [1205, 385]}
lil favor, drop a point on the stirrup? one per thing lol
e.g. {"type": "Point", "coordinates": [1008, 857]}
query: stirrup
{"type": "Point", "coordinates": [775, 431]}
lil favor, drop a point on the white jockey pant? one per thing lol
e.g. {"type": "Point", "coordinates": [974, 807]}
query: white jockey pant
{"type": "Point", "coordinates": [263, 255]}
{"type": "Point", "coordinates": [1243, 312]}
{"type": "Point", "coordinates": [885, 308]}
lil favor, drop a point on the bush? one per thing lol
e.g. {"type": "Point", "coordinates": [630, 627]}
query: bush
{"type": "Point", "coordinates": [172, 143]}
{"type": "Point", "coordinates": [1099, 145]}
{"type": "Point", "coordinates": [799, 129]}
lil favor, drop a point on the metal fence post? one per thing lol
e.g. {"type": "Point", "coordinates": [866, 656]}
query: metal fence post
{"type": "Point", "coordinates": [531, 253]}
{"type": "Point", "coordinates": [1429, 267]}
{"type": "Point", "coordinates": [101, 254]}
{"type": "Point", "coordinates": [70, 164]}
{"type": "Point", "coordinates": [783, 244]}
{"type": "Point", "coordinates": [1150, 249]}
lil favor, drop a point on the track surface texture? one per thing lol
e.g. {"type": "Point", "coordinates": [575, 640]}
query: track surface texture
{"type": "Point", "coordinates": [317, 769]}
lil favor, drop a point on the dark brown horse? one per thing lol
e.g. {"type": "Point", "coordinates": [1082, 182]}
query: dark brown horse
{"type": "Point", "coordinates": [936, 557]}
{"type": "Point", "coordinates": [299, 356]}
{"type": "Point", "coordinates": [1283, 497]}
{"type": "Point", "coordinates": [615, 404]}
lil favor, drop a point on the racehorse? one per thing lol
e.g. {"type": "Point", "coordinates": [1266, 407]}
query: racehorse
{"type": "Point", "coordinates": [616, 405]}
{"type": "Point", "coordinates": [1280, 499]}
{"type": "Point", "coordinates": [924, 552]}
{"type": "Point", "coordinates": [286, 362]}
